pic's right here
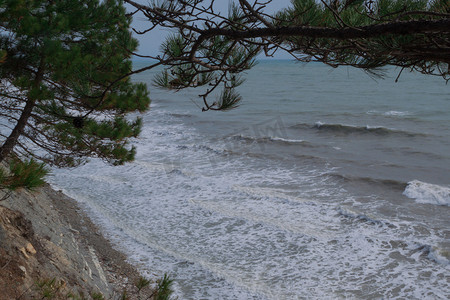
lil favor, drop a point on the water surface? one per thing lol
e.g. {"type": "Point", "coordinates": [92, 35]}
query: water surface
{"type": "Point", "coordinates": [322, 184]}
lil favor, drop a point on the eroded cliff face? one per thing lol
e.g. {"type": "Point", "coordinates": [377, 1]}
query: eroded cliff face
{"type": "Point", "coordinates": [47, 244]}
{"type": "Point", "coordinates": [19, 263]}
{"type": "Point", "coordinates": [41, 252]}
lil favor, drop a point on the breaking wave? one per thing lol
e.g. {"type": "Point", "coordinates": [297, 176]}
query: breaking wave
{"type": "Point", "coordinates": [352, 129]}
{"type": "Point", "coordinates": [428, 193]}
{"type": "Point", "coordinates": [391, 113]}
{"type": "Point", "coordinates": [278, 140]}
{"type": "Point", "coordinates": [395, 184]}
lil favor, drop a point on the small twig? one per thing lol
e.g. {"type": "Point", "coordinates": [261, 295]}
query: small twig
{"type": "Point", "coordinates": [7, 263]}
{"type": "Point", "coordinates": [6, 196]}
{"type": "Point", "coordinates": [398, 76]}
{"type": "Point", "coordinates": [23, 293]}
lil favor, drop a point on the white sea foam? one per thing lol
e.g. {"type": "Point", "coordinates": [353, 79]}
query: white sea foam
{"type": "Point", "coordinates": [353, 128]}
{"type": "Point", "coordinates": [391, 113]}
{"type": "Point", "coordinates": [222, 240]}
{"type": "Point", "coordinates": [319, 123]}
{"type": "Point", "coordinates": [286, 140]}
{"type": "Point", "coordinates": [428, 193]}
{"type": "Point", "coordinates": [369, 127]}
{"type": "Point", "coordinates": [440, 255]}
{"type": "Point", "coordinates": [395, 113]}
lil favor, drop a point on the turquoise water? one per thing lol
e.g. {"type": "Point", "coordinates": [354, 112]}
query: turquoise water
{"type": "Point", "coordinates": [324, 183]}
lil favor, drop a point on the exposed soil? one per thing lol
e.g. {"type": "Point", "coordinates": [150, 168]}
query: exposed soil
{"type": "Point", "coordinates": [47, 244]}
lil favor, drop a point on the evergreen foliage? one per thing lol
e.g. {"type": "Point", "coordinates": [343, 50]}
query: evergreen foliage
{"type": "Point", "coordinates": [29, 174]}
{"type": "Point", "coordinates": [368, 34]}
{"type": "Point", "coordinates": [426, 52]}
{"type": "Point", "coordinates": [64, 88]}
{"type": "Point", "coordinates": [23, 174]}
{"type": "Point", "coordinates": [64, 65]}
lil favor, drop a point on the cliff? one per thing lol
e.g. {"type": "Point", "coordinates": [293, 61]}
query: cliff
{"type": "Point", "coordinates": [48, 245]}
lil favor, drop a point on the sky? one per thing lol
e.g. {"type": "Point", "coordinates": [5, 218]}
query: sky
{"type": "Point", "coordinates": [149, 43]}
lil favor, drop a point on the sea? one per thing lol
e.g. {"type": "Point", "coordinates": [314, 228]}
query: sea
{"type": "Point", "coordinates": [323, 184]}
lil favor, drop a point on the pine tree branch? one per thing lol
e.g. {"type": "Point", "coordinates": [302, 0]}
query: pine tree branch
{"type": "Point", "coordinates": [369, 31]}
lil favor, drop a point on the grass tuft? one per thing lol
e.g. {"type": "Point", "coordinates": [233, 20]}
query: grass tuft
{"type": "Point", "coordinates": [164, 288]}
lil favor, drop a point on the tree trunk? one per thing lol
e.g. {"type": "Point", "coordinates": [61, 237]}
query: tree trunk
{"type": "Point", "coordinates": [12, 139]}
{"type": "Point", "coordinates": [9, 144]}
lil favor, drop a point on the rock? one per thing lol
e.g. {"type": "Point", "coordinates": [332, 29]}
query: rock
{"type": "Point", "coordinates": [30, 249]}
{"type": "Point", "coordinates": [24, 252]}
{"type": "Point", "coordinates": [23, 270]}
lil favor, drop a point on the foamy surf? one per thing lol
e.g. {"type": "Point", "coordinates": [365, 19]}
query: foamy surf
{"type": "Point", "coordinates": [391, 113]}
{"type": "Point", "coordinates": [267, 139]}
{"type": "Point", "coordinates": [440, 255]}
{"type": "Point", "coordinates": [397, 113]}
{"type": "Point", "coordinates": [428, 193]}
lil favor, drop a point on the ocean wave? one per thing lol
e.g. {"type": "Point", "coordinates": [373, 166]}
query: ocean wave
{"type": "Point", "coordinates": [271, 192]}
{"type": "Point", "coordinates": [209, 149]}
{"type": "Point", "coordinates": [280, 140]}
{"type": "Point", "coordinates": [397, 113]}
{"type": "Point", "coordinates": [352, 213]}
{"type": "Point", "coordinates": [439, 255]}
{"type": "Point", "coordinates": [428, 193]}
{"type": "Point", "coordinates": [180, 115]}
{"type": "Point", "coordinates": [435, 253]}
{"type": "Point", "coordinates": [290, 141]}
{"type": "Point", "coordinates": [385, 182]}
{"type": "Point", "coordinates": [344, 129]}
{"type": "Point", "coordinates": [351, 129]}
{"type": "Point", "coordinates": [391, 113]}
{"type": "Point", "coordinates": [199, 147]}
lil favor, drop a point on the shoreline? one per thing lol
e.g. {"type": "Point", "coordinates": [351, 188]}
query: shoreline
{"type": "Point", "coordinates": [121, 273]}
{"type": "Point", "coordinates": [68, 247]}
